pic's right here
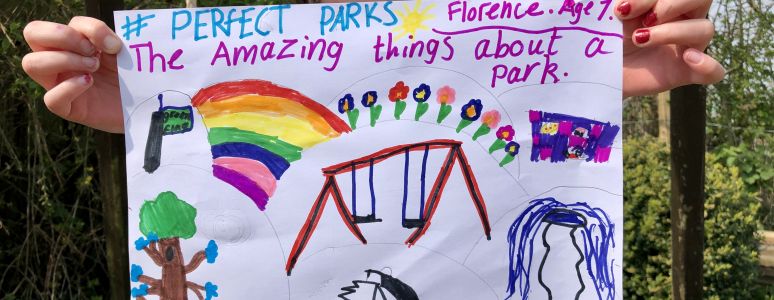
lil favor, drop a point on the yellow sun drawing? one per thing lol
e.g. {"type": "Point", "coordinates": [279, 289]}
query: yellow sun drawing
{"type": "Point", "coordinates": [413, 19]}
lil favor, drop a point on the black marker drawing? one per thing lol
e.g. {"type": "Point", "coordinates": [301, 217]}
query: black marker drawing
{"type": "Point", "coordinates": [393, 286]}
{"type": "Point", "coordinates": [168, 120]}
{"type": "Point", "coordinates": [153, 146]}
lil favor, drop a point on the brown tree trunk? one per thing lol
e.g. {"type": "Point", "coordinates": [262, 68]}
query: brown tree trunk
{"type": "Point", "coordinates": [172, 270]}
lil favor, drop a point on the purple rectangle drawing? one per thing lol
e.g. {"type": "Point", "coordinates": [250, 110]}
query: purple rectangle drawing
{"type": "Point", "coordinates": [561, 137]}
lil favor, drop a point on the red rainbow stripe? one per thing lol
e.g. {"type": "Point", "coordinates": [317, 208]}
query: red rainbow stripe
{"type": "Point", "coordinates": [227, 90]}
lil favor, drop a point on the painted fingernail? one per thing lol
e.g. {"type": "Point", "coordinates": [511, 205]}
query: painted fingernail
{"type": "Point", "coordinates": [693, 56]}
{"type": "Point", "coordinates": [624, 8]}
{"type": "Point", "coordinates": [650, 19]}
{"type": "Point", "coordinates": [87, 79]}
{"type": "Point", "coordinates": [90, 62]}
{"type": "Point", "coordinates": [112, 44]}
{"type": "Point", "coordinates": [87, 47]}
{"type": "Point", "coordinates": [642, 36]}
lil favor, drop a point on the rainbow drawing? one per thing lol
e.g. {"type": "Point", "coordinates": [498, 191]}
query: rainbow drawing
{"type": "Point", "coordinates": [257, 129]}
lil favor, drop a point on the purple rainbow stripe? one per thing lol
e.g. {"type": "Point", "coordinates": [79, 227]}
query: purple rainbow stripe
{"type": "Point", "coordinates": [243, 184]}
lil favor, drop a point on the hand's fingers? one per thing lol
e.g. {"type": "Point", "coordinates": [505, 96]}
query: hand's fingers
{"type": "Point", "coordinates": [668, 10]}
{"type": "Point", "coordinates": [694, 33]}
{"type": "Point", "coordinates": [60, 98]}
{"type": "Point", "coordinates": [98, 33]}
{"type": "Point", "coordinates": [704, 68]}
{"type": "Point", "coordinates": [630, 9]}
{"type": "Point", "coordinates": [45, 66]}
{"type": "Point", "coordinates": [43, 36]}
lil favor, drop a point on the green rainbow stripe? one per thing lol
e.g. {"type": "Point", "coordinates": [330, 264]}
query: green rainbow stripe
{"type": "Point", "coordinates": [224, 135]}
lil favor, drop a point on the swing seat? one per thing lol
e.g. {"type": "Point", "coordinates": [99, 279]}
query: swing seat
{"type": "Point", "coordinates": [366, 219]}
{"type": "Point", "coordinates": [413, 223]}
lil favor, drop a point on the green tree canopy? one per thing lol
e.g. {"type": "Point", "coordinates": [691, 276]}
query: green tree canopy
{"type": "Point", "coordinates": [167, 217]}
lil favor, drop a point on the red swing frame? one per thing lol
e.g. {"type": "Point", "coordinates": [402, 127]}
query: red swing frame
{"type": "Point", "coordinates": [331, 189]}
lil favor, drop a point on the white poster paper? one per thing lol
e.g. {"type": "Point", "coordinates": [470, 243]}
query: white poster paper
{"type": "Point", "coordinates": [374, 150]}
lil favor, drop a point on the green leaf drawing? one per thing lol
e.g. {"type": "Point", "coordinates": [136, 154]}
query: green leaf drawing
{"type": "Point", "coordinates": [497, 145]}
{"type": "Point", "coordinates": [168, 217]}
{"type": "Point", "coordinates": [446, 109]}
{"type": "Point", "coordinates": [464, 123]}
{"type": "Point", "coordinates": [482, 131]}
{"type": "Point", "coordinates": [421, 110]}
{"type": "Point", "coordinates": [376, 113]}
{"type": "Point", "coordinates": [507, 160]}
{"type": "Point", "coordinates": [353, 115]}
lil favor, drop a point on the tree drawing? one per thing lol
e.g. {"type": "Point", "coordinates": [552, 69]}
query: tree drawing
{"type": "Point", "coordinates": [163, 222]}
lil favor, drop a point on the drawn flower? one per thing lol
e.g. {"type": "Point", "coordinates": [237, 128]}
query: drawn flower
{"type": "Point", "coordinates": [472, 110]}
{"type": "Point", "coordinates": [511, 150]}
{"type": "Point", "coordinates": [470, 113]}
{"type": "Point", "coordinates": [489, 121]}
{"type": "Point", "coordinates": [421, 94]}
{"type": "Point", "coordinates": [347, 105]}
{"type": "Point", "coordinates": [504, 135]}
{"type": "Point", "coordinates": [445, 96]}
{"type": "Point", "coordinates": [369, 100]}
{"type": "Point", "coordinates": [398, 92]}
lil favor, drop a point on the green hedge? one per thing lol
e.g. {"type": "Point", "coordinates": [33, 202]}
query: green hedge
{"type": "Point", "coordinates": [730, 255]}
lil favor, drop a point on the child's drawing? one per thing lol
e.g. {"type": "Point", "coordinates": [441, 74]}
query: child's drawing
{"type": "Point", "coordinates": [590, 233]}
{"type": "Point", "coordinates": [163, 222]}
{"type": "Point", "coordinates": [168, 120]}
{"type": "Point", "coordinates": [378, 288]}
{"type": "Point", "coordinates": [397, 133]}
{"type": "Point", "coordinates": [455, 156]}
{"type": "Point", "coordinates": [558, 137]}
{"type": "Point", "coordinates": [257, 128]}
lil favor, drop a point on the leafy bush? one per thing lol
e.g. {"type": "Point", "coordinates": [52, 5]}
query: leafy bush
{"type": "Point", "coordinates": [731, 253]}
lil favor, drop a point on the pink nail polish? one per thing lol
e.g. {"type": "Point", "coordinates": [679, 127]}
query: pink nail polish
{"type": "Point", "coordinates": [87, 79]}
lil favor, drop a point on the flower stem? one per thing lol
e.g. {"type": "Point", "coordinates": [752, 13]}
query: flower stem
{"type": "Point", "coordinates": [482, 131]}
{"type": "Point", "coordinates": [497, 145]}
{"type": "Point", "coordinates": [400, 107]}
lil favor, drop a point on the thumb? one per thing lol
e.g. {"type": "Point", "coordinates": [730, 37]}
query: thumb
{"type": "Point", "coordinates": [704, 69]}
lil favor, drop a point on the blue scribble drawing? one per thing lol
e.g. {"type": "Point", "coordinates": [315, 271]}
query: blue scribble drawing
{"type": "Point", "coordinates": [593, 225]}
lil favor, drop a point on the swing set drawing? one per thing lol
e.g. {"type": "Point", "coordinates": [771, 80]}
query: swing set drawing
{"type": "Point", "coordinates": [331, 189]}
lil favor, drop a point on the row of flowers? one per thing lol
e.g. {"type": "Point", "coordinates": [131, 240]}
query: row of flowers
{"type": "Point", "coordinates": [470, 113]}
